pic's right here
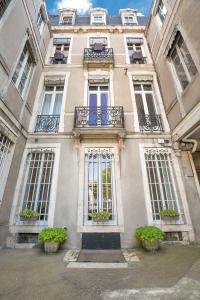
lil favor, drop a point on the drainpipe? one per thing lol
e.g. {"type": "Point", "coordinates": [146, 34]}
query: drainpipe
{"type": "Point", "coordinates": [192, 141]}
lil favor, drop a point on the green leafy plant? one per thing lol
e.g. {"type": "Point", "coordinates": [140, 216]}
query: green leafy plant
{"type": "Point", "coordinates": [100, 215]}
{"type": "Point", "coordinates": [28, 213]}
{"type": "Point", "coordinates": [53, 235]}
{"type": "Point", "coordinates": [168, 213]}
{"type": "Point", "coordinates": [149, 233]}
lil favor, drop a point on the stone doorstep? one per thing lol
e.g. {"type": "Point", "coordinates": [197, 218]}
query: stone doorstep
{"type": "Point", "coordinates": [90, 265]}
{"type": "Point", "coordinates": [25, 245]}
{"type": "Point", "coordinates": [71, 258]}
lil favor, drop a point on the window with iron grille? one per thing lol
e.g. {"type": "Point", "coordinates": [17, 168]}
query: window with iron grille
{"type": "Point", "coordinates": [5, 149]}
{"type": "Point", "coordinates": [38, 181]}
{"type": "Point", "coordinates": [23, 70]}
{"type": "Point", "coordinates": [99, 182]}
{"type": "Point", "coordinates": [161, 181]}
{"type": "Point", "coordinates": [183, 63]}
{"type": "Point", "coordinates": [60, 51]}
{"type": "Point", "coordinates": [161, 11]}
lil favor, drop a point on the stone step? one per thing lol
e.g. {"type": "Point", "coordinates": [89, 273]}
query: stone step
{"type": "Point", "coordinates": [92, 265]}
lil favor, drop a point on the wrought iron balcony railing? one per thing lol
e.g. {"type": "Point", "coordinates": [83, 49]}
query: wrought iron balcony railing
{"type": "Point", "coordinates": [47, 123]}
{"type": "Point", "coordinates": [99, 117]}
{"type": "Point", "coordinates": [105, 55]}
{"type": "Point", "coordinates": [58, 60]}
{"type": "Point", "coordinates": [3, 5]}
{"type": "Point", "coordinates": [142, 60]}
{"type": "Point", "coordinates": [150, 122]}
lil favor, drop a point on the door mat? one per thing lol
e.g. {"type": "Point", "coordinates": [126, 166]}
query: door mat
{"type": "Point", "coordinates": [101, 256]}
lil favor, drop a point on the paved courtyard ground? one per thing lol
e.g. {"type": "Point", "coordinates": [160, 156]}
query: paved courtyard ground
{"type": "Point", "coordinates": [173, 273]}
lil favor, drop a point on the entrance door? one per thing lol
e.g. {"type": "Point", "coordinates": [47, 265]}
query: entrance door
{"type": "Point", "coordinates": [98, 101]}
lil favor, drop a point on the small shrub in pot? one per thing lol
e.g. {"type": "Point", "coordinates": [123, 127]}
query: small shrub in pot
{"type": "Point", "coordinates": [150, 236]}
{"type": "Point", "coordinates": [28, 215]}
{"type": "Point", "coordinates": [52, 238]}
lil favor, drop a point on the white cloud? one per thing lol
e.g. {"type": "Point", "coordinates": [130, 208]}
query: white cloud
{"type": "Point", "coordinates": [140, 14]}
{"type": "Point", "coordinates": [81, 5]}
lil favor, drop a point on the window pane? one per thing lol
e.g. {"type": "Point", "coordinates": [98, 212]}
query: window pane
{"type": "Point", "coordinates": [38, 182]}
{"type": "Point", "coordinates": [160, 181]}
{"type": "Point", "coordinates": [187, 57]}
{"type": "Point", "coordinates": [47, 104]}
{"type": "Point", "coordinates": [57, 104]}
{"type": "Point", "coordinates": [179, 69]}
{"type": "Point", "coordinates": [139, 103]}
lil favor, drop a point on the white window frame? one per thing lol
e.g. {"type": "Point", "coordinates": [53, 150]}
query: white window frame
{"type": "Point", "coordinates": [159, 101]}
{"type": "Point", "coordinates": [53, 98]}
{"type": "Point", "coordinates": [179, 185]}
{"type": "Point", "coordinates": [111, 153]}
{"type": "Point", "coordinates": [68, 17]}
{"type": "Point", "coordinates": [130, 17]}
{"type": "Point", "coordinates": [119, 226]}
{"type": "Point", "coordinates": [40, 21]}
{"type": "Point", "coordinates": [100, 15]}
{"type": "Point", "coordinates": [98, 92]}
{"type": "Point", "coordinates": [19, 76]}
{"type": "Point", "coordinates": [5, 162]}
{"type": "Point", "coordinates": [173, 69]}
{"type": "Point", "coordinates": [18, 196]}
{"type": "Point", "coordinates": [161, 10]}
{"type": "Point", "coordinates": [143, 94]}
{"type": "Point", "coordinates": [134, 47]}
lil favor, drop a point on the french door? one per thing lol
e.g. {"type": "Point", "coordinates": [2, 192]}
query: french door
{"type": "Point", "coordinates": [98, 102]}
{"type": "Point", "coordinates": [99, 183]}
{"type": "Point", "coordinates": [52, 100]}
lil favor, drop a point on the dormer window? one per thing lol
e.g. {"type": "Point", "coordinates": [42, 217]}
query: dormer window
{"type": "Point", "coordinates": [128, 16]}
{"type": "Point", "coordinates": [130, 20]}
{"type": "Point", "coordinates": [98, 16]}
{"type": "Point", "coordinates": [67, 17]}
{"type": "Point", "coordinates": [98, 19]}
{"type": "Point", "coordinates": [67, 20]}
{"type": "Point", "coordinates": [161, 11]}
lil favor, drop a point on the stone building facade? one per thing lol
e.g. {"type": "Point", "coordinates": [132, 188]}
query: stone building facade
{"type": "Point", "coordinates": [173, 38]}
{"type": "Point", "coordinates": [93, 131]}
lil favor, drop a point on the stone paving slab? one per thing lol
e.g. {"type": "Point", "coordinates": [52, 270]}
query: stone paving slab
{"type": "Point", "coordinates": [185, 289]}
{"type": "Point", "coordinates": [90, 265]}
{"type": "Point", "coordinates": [130, 256]}
{"type": "Point", "coordinates": [71, 255]}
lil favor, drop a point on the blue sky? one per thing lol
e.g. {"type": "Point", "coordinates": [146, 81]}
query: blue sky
{"type": "Point", "coordinates": [113, 6]}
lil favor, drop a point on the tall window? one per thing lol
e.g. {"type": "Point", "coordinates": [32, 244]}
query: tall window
{"type": "Point", "coordinates": [23, 70]}
{"type": "Point", "coordinates": [162, 11]}
{"type": "Point", "coordinates": [40, 20]}
{"type": "Point", "coordinates": [60, 50]}
{"type": "Point", "coordinates": [5, 148]}
{"type": "Point", "coordinates": [161, 182]}
{"type": "Point", "coordinates": [182, 61]}
{"type": "Point", "coordinates": [99, 182]}
{"type": "Point", "coordinates": [38, 181]}
{"type": "Point", "coordinates": [148, 115]}
{"type": "Point", "coordinates": [3, 6]}
{"type": "Point", "coordinates": [136, 51]}
{"type": "Point", "coordinates": [49, 117]}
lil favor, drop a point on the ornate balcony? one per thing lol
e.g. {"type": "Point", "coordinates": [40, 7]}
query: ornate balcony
{"type": "Point", "coordinates": [99, 117]}
{"type": "Point", "coordinates": [98, 56]}
{"type": "Point", "coordinates": [58, 59]}
{"type": "Point", "coordinates": [47, 123]}
{"type": "Point", "coordinates": [150, 122]}
{"type": "Point", "coordinates": [3, 5]}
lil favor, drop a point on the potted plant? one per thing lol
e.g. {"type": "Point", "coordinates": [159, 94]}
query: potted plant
{"type": "Point", "coordinates": [169, 215]}
{"type": "Point", "coordinates": [150, 237]}
{"type": "Point", "coordinates": [100, 216]}
{"type": "Point", "coordinates": [52, 238]}
{"type": "Point", "coordinates": [28, 215]}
